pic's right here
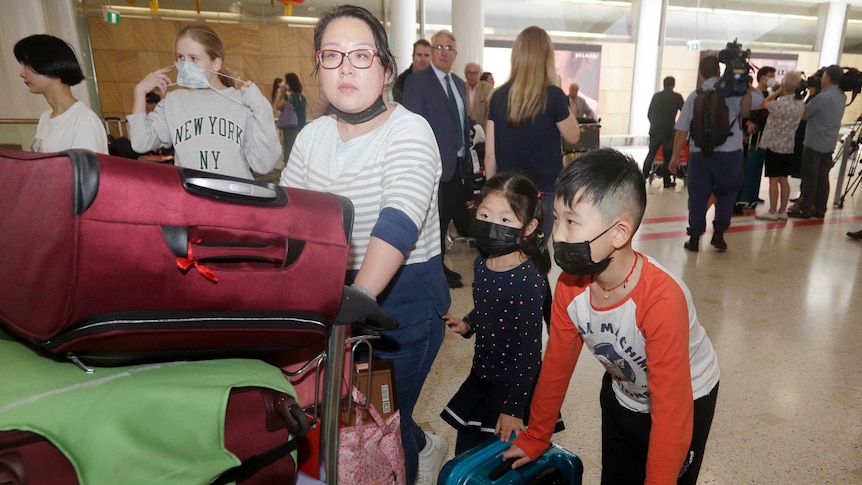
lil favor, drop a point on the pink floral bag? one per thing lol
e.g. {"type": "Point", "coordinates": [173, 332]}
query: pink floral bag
{"type": "Point", "coordinates": [371, 453]}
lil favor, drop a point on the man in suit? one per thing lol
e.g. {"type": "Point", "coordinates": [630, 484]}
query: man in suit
{"type": "Point", "coordinates": [421, 60]}
{"type": "Point", "coordinates": [662, 112]}
{"type": "Point", "coordinates": [440, 97]}
{"type": "Point", "coordinates": [578, 105]}
{"type": "Point", "coordinates": [478, 94]}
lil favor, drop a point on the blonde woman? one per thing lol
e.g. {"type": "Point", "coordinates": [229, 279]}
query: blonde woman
{"type": "Point", "coordinates": [527, 116]}
{"type": "Point", "coordinates": [212, 125]}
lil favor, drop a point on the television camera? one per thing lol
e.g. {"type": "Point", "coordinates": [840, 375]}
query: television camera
{"type": "Point", "coordinates": [851, 81]}
{"type": "Point", "coordinates": [736, 77]}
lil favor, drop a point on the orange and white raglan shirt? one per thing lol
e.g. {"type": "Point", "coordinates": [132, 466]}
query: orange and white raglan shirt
{"type": "Point", "coordinates": [654, 347]}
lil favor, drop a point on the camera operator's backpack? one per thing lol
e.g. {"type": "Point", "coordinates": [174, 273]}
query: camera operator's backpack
{"type": "Point", "coordinates": [710, 123]}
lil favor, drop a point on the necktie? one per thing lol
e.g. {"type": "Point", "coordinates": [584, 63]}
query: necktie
{"type": "Point", "coordinates": [453, 105]}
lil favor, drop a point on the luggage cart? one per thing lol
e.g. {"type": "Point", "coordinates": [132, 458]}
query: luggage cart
{"type": "Point", "coordinates": [589, 140]}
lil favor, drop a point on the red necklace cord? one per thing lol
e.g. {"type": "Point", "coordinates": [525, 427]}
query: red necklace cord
{"type": "Point", "coordinates": [608, 291]}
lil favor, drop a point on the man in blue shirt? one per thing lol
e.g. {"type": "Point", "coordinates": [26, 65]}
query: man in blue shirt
{"type": "Point", "coordinates": [719, 174]}
{"type": "Point", "coordinates": [823, 112]}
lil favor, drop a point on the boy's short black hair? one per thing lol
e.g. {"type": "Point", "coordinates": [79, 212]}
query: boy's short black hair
{"type": "Point", "coordinates": [153, 98]}
{"type": "Point", "coordinates": [609, 180]}
{"type": "Point", "coordinates": [764, 71]}
{"type": "Point", "coordinates": [49, 56]}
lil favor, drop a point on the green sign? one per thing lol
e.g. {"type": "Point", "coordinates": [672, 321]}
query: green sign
{"type": "Point", "coordinates": [112, 16]}
{"type": "Point", "coordinates": [694, 45]}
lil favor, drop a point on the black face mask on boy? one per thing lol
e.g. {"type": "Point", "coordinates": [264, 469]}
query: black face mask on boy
{"type": "Point", "coordinates": [576, 258]}
{"type": "Point", "coordinates": [495, 239]}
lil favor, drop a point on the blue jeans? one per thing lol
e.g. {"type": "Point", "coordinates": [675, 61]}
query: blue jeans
{"type": "Point", "coordinates": [413, 348]}
{"type": "Point", "coordinates": [719, 175]}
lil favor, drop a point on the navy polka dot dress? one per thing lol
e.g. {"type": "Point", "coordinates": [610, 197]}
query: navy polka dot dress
{"type": "Point", "coordinates": [507, 320]}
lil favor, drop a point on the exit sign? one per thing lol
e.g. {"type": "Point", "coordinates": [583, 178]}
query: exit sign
{"type": "Point", "coordinates": [693, 45]}
{"type": "Point", "coordinates": [111, 16]}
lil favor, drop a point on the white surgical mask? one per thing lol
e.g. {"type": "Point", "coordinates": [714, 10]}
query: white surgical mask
{"type": "Point", "coordinates": [190, 75]}
{"type": "Point", "coordinates": [770, 82]}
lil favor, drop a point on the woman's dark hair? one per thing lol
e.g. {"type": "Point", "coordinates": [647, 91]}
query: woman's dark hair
{"type": "Point", "coordinates": [293, 83]}
{"type": "Point", "coordinates": [524, 199]}
{"type": "Point", "coordinates": [49, 56]}
{"type": "Point", "coordinates": [381, 41]}
{"type": "Point", "coordinates": [275, 84]}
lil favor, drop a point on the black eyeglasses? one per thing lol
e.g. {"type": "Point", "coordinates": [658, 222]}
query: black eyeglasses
{"type": "Point", "coordinates": [332, 59]}
{"type": "Point", "coordinates": [447, 48]}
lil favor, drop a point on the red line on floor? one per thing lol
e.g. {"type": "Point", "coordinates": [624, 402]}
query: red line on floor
{"type": "Point", "coordinates": [740, 226]}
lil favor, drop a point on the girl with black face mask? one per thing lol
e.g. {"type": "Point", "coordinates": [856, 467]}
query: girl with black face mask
{"type": "Point", "coordinates": [509, 288]}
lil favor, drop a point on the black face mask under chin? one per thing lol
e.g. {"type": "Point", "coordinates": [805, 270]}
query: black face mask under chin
{"type": "Point", "coordinates": [576, 258]}
{"type": "Point", "coordinates": [495, 239]}
{"type": "Point", "coordinates": [368, 114]}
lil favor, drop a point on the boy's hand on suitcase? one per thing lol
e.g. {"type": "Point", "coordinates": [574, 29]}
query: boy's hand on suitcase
{"type": "Point", "coordinates": [515, 452]}
{"type": "Point", "coordinates": [506, 425]}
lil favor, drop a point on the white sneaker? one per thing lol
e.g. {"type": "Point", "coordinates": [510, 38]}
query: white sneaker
{"type": "Point", "coordinates": [767, 216]}
{"type": "Point", "coordinates": [431, 459]}
{"type": "Point", "coordinates": [782, 216]}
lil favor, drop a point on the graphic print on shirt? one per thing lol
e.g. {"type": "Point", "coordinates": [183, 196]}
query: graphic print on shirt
{"type": "Point", "coordinates": [208, 126]}
{"type": "Point", "coordinates": [614, 363]}
{"type": "Point", "coordinates": [615, 340]}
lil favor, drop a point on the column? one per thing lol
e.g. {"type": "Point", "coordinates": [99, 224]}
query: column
{"type": "Point", "coordinates": [830, 31]}
{"type": "Point", "coordinates": [468, 25]}
{"type": "Point", "coordinates": [648, 16]}
{"type": "Point", "coordinates": [402, 31]}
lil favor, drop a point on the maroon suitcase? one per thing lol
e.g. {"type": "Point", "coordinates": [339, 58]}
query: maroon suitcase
{"type": "Point", "coordinates": [109, 257]}
{"type": "Point", "coordinates": [258, 425]}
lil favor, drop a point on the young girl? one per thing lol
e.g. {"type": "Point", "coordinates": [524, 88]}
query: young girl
{"type": "Point", "coordinates": [49, 67]}
{"type": "Point", "coordinates": [212, 126]}
{"type": "Point", "coordinates": [509, 288]}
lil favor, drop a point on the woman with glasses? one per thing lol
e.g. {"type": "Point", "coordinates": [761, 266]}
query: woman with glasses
{"type": "Point", "coordinates": [385, 159]}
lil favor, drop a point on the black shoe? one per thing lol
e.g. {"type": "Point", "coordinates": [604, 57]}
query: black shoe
{"type": "Point", "coordinates": [669, 185]}
{"type": "Point", "coordinates": [794, 199]}
{"type": "Point", "coordinates": [796, 214]}
{"type": "Point", "coordinates": [718, 241]}
{"type": "Point", "coordinates": [855, 235]}
{"type": "Point", "coordinates": [454, 283]}
{"type": "Point", "coordinates": [818, 215]}
{"type": "Point", "coordinates": [692, 244]}
{"type": "Point", "coordinates": [451, 274]}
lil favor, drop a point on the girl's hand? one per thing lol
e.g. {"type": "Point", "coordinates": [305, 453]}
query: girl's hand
{"type": "Point", "coordinates": [506, 425]}
{"type": "Point", "coordinates": [245, 86]}
{"type": "Point", "coordinates": [456, 324]}
{"type": "Point", "coordinates": [156, 79]}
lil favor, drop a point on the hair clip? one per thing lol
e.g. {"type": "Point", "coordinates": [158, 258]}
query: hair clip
{"type": "Point", "coordinates": [538, 195]}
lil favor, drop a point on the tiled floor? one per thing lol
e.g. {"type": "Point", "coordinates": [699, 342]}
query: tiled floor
{"type": "Point", "coordinates": [783, 307]}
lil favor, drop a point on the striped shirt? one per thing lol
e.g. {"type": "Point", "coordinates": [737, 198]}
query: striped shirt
{"type": "Point", "coordinates": [395, 166]}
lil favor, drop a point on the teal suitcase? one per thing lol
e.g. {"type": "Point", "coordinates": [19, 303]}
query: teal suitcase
{"type": "Point", "coordinates": [483, 465]}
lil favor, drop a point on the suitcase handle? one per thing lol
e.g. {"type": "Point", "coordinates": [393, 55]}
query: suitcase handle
{"type": "Point", "coordinates": [232, 189]}
{"type": "Point", "coordinates": [218, 246]}
{"type": "Point", "coordinates": [12, 470]}
{"type": "Point", "coordinates": [501, 469]}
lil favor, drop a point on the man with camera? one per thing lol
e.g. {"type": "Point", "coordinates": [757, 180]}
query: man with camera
{"type": "Point", "coordinates": [824, 113]}
{"type": "Point", "coordinates": [714, 170]}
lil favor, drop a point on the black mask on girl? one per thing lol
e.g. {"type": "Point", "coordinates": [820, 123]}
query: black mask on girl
{"type": "Point", "coordinates": [495, 239]}
{"type": "Point", "coordinates": [576, 258]}
{"type": "Point", "coordinates": [368, 114]}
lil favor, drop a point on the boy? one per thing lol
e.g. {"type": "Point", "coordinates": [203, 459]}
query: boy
{"type": "Point", "coordinates": [659, 392]}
